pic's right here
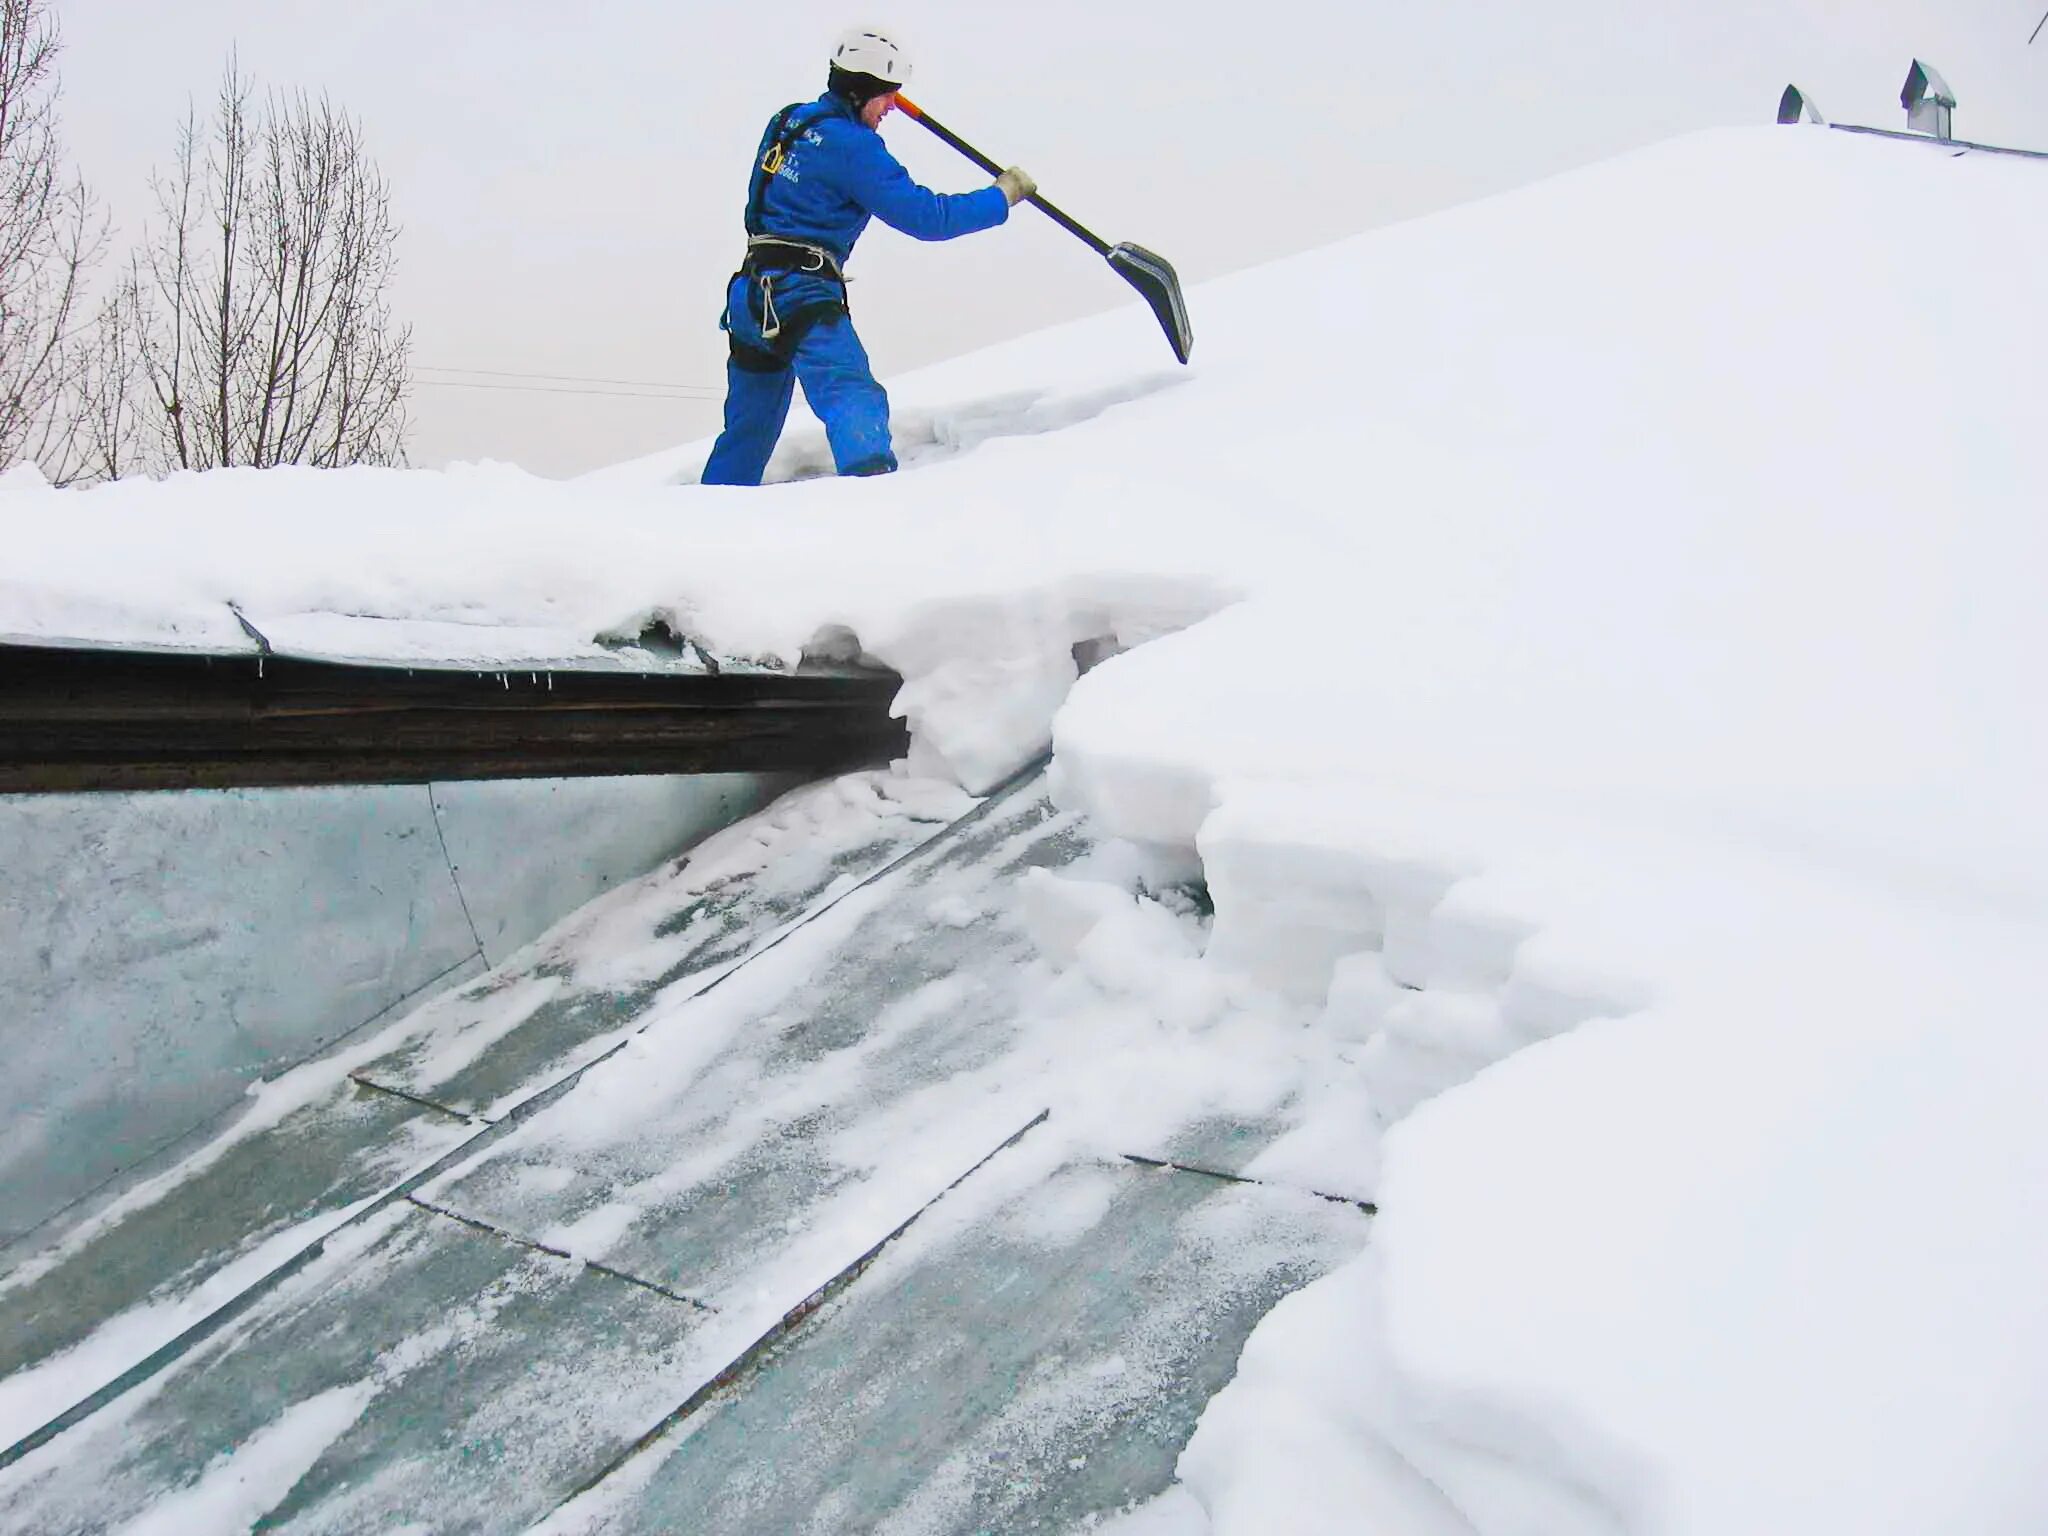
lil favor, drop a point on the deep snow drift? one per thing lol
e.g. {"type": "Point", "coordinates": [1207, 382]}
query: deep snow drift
{"type": "Point", "coordinates": [1626, 737]}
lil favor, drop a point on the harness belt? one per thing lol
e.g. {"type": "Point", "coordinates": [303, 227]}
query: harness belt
{"type": "Point", "coordinates": [767, 254]}
{"type": "Point", "coordinates": [775, 253]}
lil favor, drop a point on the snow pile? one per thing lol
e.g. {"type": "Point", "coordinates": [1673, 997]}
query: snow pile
{"type": "Point", "coordinates": [1660, 763]}
{"type": "Point", "coordinates": [1626, 739]}
{"type": "Point", "coordinates": [1706, 1259]}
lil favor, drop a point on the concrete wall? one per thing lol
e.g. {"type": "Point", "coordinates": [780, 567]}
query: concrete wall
{"type": "Point", "coordinates": [159, 952]}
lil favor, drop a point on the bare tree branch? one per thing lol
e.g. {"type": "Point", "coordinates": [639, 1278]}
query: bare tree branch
{"type": "Point", "coordinates": [50, 236]}
{"type": "Point", "coordinates": [258, 303]}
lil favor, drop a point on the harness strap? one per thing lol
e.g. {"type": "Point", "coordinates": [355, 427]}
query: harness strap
{"type": "Point", "coordinates": [787, 129]}
{"type": "Point", "coordinates": [764, 171]}
{"type": "Point", "coordinates": [796, 255]}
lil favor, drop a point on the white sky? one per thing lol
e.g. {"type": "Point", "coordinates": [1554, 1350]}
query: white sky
{"type": "Point", "coordinates": [570, 186]}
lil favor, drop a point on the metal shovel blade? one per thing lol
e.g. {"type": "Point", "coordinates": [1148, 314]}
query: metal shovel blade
{"type": "Point", "coordinates": [1153, 276]}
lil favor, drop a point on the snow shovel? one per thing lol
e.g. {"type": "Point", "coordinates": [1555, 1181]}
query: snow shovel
{"type": "Point", "coordinates": [1152, 275]}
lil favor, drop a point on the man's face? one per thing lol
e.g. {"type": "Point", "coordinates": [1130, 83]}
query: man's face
{"type": "Point", "coordinates": [877, 109]}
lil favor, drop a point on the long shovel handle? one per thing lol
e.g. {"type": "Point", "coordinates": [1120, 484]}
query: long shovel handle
{"type": "Point", "coordinates": [1147, 271]}
{"type": "Point", "coordinates": [1074, 228]}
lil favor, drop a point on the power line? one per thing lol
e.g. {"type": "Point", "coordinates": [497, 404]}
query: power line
{"type": "Point", "coordinates": [2043, 22]}
{"type": "Point", "coordinates": [562, 378]}
{"type": "Point", "coordinates": [552, 389]}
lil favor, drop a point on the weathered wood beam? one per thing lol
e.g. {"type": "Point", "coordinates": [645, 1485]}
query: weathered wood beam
{"type": "Point", "coordinates": [123, 720]}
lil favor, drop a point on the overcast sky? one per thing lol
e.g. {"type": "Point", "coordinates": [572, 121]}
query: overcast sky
{"type": "Point", "coordinates": [570, 179]}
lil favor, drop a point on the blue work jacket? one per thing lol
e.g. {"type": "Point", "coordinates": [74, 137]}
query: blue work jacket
{"type": "Point", "coordinates": [834, 175]}
{"type": "Point", "coordinates": [838, 173]}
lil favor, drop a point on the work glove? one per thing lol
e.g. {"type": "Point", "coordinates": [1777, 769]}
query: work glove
{"type": "Point", "coordinates": [1016, 184]}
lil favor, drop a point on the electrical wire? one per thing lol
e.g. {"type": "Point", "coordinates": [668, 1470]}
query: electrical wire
{"type": "Point", "coordinates": [563, 378]}
{"type": "Point", "coordinates": [566, 390]}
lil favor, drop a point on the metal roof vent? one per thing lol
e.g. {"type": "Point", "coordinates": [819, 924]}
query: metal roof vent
{"type": "Point", "coordinates": [1795, 107]}
{"type": "Point", "coordinates": [1928, 101]}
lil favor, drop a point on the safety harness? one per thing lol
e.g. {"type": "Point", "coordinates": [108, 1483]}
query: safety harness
{"type": "Point", "coordinates": [768, 254]}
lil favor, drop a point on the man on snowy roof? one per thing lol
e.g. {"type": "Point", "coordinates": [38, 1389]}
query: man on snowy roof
{"type": "Point", "coordinates": [821, 173]}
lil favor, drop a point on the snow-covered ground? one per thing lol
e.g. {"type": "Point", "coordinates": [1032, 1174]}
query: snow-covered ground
{"type": "Point", "coordinates": [1590, 645]}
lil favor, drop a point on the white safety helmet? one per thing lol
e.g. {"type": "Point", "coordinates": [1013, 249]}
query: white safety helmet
{"type": "Point", "coordinates": [872, 52]}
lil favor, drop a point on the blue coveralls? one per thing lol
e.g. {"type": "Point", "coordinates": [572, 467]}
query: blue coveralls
{"type": "Point", "coordinates": [833, 175]}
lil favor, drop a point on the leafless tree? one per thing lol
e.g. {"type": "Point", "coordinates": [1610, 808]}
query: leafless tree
{"type": "Point", "coordinates": [256, 311]}
{"type": "Point", "coordinates": [108, 420]}
{"type": "Point", "coordinates": [49, 239]}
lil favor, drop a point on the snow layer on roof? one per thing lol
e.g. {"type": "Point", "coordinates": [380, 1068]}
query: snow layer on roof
{"type": "Point", "coordinates": [975, 577]}
{"type": "Point", "coordinates": [1647, 777]}
{"type": "Point", "coordinates": [1608, 691]}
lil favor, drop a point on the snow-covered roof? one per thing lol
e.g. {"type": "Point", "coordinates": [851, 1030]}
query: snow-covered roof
{"type": "Point", "coordinates": [1586, 680]}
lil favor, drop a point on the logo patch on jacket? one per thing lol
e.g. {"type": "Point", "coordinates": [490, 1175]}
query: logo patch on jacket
{"type": "Point", "coordinates": [777, 160]}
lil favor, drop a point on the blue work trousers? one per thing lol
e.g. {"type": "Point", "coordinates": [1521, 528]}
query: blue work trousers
{"type": "Point", "coordinates": [839, 387]}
